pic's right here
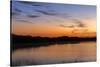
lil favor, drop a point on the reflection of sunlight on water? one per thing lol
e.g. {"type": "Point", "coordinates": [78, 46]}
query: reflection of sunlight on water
{"type": "Point", "coordinates": [85, 51]}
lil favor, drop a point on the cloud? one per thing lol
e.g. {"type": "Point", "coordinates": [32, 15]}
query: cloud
{"type": "Point", "coordinates": [75, 30]}
{"type": "Point", "coordinates": [79, 23]}
{"type": "Point", "coordinates": [58, 15]}
{"type": "Point", "coordinates": [14, 13]}
{"type": "Point", "coordinates": [79, 30]}
{"type": "Point", "coordinates": [18, 10]}
{"type": "Point", "coordinates": [25, 2]}
{"type": "Point", "coordinates": [33, 16]}
{"type": "Point", "coordinates": [69, 26]}
{"type": "Point", "coordinates": [46, 12]}
{"type": "Point", "coordinates": [25, 21]}
{"type": "Point", "coordinates": [37, 11]}
{"type": "Point", "coordinates": [33, 3]}
{"type": "Point", "coordinates": [75, 23]}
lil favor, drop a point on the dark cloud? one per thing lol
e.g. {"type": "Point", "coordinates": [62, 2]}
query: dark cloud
{"type": "Point", "coordinates": [46, 12]}
{"type": "Point", "coordinates": [33, 3]}
{"type": "Point", "coordinates": [70, 26]}
{"type": "Point", "coordinates": [14, 13]}
{"type": "Point", "coordinates": [78, 23]}
{"type": "Point", "coordinates": [26, 2]}
{"type": "Point", "coordinates": [33, 16]}
{"type": "Point", "coordinates": [18, 10]}
{"type": "Point", "coordinates": [39, 12]}
{"type": "Point", "coordinates": [24, 21]}
{"type": "Point", "coordinates": [81, 25]}
{"type": "Point", "coordinates": [54, 13]}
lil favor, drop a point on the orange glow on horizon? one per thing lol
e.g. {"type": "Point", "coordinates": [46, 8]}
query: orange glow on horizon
{"type": "Point", "coordinates": [49, 30]}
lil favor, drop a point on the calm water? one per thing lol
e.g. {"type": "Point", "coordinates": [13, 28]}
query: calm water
{"type": "Point", "coordinates": [63, 53]}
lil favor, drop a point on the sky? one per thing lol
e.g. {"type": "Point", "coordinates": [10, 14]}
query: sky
{"type": "Point", "coordinates": [53, 19]}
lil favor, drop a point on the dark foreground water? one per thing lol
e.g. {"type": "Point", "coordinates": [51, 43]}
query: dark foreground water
{"type": "Point", "coordinates": [53, 54]}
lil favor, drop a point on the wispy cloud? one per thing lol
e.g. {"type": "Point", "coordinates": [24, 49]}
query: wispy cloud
{"type": "Point", "coordinates": [79, 23]}
{"type": "Point", "coordinates": [23, 21]}
{"type": "Point", "coordinates": [66, 26]}
{"type": "Point", "coordinates": [46, 12]}
{"type": "Point", "coordinates": [33, 16]}
{"type": "Point", "coordinates": [37, 12]}
{"type": "Point", "coordinates": [75, 30]}
{"type": "Point", "coordinates": [18, 10]}
{"type": "Point", "coordinates": [75, 23]}
{"type": "Point", "coordinates": [53, 13]}
{"type": "Point", "coordinates": [79, 30]}
{"type": "Point", "coordinates": [31, 3]}
{"type": "Point", "coordinates": [26, 2]}
{"type": "Point", "coordinates": [14, 13]}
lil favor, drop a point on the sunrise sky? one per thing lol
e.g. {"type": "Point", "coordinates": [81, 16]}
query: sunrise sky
{"type": "Point", "coordinates": [52, 19]}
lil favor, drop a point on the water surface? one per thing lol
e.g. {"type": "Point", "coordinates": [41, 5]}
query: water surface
{"type": "Point", "coordinates": [62, 53]}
